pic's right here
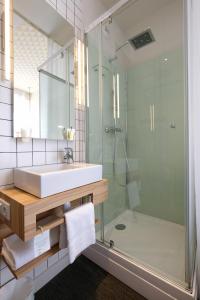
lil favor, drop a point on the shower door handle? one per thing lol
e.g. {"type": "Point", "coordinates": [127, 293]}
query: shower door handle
{"type": "Point", "coordinates": [152, 117]}
{"type": "Point", "coordinates": [151, 120]}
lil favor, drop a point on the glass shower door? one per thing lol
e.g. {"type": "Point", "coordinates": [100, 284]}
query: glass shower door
{"type": "Point", "coordinates": [144, 216]}
{"type": "Point", "coordinates": [106, 127]}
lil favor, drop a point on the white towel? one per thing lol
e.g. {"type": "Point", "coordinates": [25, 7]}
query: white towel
{"type": "Point", "coordinates": [17, 252]}
{"type": "Point", "coordinates": [80, 229]}
{"type": "Point", "coordinates": [53, 234]}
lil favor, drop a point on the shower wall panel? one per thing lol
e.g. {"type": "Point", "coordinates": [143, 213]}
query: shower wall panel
{"type": "Point", "coordinates": [156, 111]}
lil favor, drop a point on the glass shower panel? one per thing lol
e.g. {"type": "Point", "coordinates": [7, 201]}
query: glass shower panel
{"type": "Point", "coordinates": [94, 151]}
{"type": "Point", "coordinates": [143, 121]}
{"type": "Point", "coordinates": [158, 110]}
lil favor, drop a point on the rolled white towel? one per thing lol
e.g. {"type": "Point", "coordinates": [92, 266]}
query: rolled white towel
{"type": "Point", "coordinates": [17, 252]}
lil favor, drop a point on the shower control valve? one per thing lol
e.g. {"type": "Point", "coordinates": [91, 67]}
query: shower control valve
{"type": "Point", "coordinates": [113, 129]}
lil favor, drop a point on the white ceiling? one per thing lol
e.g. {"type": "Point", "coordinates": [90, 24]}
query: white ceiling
{"type": "Point", "coordinates": [109, 3]}
{"type": "Point", "coordinates": [46, 18]}
{"type": "Point", "coordinates": [164, 17]}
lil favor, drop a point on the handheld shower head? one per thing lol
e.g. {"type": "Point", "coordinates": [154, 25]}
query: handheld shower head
{"type": "Point", "coordinates": [112, 59]}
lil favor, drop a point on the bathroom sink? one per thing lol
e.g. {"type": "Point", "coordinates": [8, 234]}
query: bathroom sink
{"type": "Point", "coordinates": [48, 180]}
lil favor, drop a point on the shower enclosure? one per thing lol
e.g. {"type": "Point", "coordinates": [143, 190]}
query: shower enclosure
{"type": "Point", "coordinates": [137, 128]}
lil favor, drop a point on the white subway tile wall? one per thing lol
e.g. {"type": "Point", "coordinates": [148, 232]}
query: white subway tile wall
{"type": "Point", "coordinates": [51, 145]}
{"type": "Point", "coordinates": [16, 153]}
{"type": "Point", "coordinates": [6, 276]}
{"type": "Point", "coordinates": [39, 158]}
{"type": "Point", "coordinates": [40, 269]}
{"type": "Point", "coordinates": [39, 145]}
{"type": "Point", "coordinates": [24, 146]}
{"type": "Point", "coordinates": [24, 159]}
{"type": "Point", "coordinates": [52, 260]}
{"type": "Point", "coordinates": [51, 158]}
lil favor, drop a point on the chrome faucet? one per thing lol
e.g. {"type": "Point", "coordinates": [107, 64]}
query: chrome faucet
{"type": "Point", "coordinates": [68, 155]}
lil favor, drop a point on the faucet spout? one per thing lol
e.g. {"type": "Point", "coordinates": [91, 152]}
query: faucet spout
{"type": "Point", "coordinates": [68, 155]}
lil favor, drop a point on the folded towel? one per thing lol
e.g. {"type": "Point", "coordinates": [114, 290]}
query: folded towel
{"type": "Point", "coordinates": [42, 243]}
{"type": "Point", "coordinates": [17, 252]}
{"type": "Point", "coordinates": [79, 230]}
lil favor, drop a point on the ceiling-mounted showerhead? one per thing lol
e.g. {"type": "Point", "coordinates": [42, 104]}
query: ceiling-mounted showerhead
{"type": "Point", "coordinates": [142, 39]}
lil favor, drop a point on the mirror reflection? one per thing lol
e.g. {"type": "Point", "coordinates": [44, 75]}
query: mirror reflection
{"type": "Point", "coordinates": [43, 72]}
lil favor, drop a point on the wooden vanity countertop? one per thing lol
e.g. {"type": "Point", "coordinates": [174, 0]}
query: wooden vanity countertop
{"type": "Point", "coordinates": [25, 208]}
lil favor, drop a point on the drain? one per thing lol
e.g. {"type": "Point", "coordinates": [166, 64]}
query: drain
{"type": "Point", "coordinates": [120, 226]}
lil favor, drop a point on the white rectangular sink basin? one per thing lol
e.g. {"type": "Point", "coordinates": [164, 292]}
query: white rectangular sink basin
{"type": "Point", "coordinates": [48, 180]}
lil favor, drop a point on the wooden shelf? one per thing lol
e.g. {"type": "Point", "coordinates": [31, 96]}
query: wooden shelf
{"type": "Point", "coordinates": [56, 221]}
{"type": "Point", "coordinates": [27, 214]}
{"type": "Point", "coordinates": [34, 263]}
{"type": "Point", "coordinates": [25, 209]}
{"type": "Point", "coordinates": [5, 231]}
{"type": "Point", "coordinates": [37, 261]}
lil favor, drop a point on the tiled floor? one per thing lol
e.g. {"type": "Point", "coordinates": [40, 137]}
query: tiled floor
{"type": "Point", "coordinates": [84, 280]}
{"type": "Point", "coordinates": [151, 241]}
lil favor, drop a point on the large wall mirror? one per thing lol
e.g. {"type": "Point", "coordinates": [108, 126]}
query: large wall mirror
{"type": "Point", "coordinates": [44, 105]}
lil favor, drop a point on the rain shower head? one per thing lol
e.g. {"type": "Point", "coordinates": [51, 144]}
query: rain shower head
{"type": "Point", "coordinates": [142, 39]}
